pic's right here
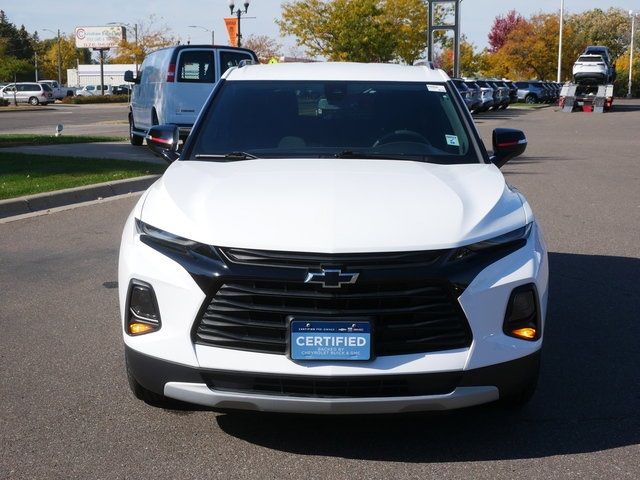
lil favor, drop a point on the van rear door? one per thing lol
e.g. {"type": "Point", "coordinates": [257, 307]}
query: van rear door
{"type": "Point", "coordinates": [195, 75]}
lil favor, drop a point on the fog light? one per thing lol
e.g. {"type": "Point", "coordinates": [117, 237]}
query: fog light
{"type": "Point", "coordinates": [526, 333]}
{"type": "Point", "coordinates": [522, 319]}
{"type": "Point", "coordinates": [137, 328]}
{"type": "Point", "coordinates": [143, 315]}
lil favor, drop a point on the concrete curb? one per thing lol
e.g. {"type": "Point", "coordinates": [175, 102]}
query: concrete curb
{"type": "Point", "coordinates": [69, 196]}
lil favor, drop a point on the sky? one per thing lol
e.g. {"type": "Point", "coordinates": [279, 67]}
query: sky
{"type": "Point", "coordinates": [477, 15]}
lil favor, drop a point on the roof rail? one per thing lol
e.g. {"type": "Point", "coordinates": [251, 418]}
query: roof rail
{"type": "Point", "coordinates": [246, 62]}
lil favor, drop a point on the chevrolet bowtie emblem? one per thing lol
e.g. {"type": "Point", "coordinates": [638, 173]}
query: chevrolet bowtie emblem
{"type": "Point", "coordinates": [331, 278]}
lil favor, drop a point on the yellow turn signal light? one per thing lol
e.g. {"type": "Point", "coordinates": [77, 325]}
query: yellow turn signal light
{"type": "Point", "coordinates": [138, 328]}
{"type": "Point", "coordinates": [526, 333]}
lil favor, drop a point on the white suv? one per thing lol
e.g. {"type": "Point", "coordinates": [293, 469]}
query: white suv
{"type": "Point", "coordinates": [591, 69]}
{"type": "Point", "coordinates": [333, 238]}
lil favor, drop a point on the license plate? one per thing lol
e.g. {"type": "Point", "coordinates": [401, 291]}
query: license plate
{"type": "Point", "coordinates": [348, 340]}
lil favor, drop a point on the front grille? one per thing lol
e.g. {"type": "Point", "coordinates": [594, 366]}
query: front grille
{"type": "Point", "coordinates": [336, 387]}
{"type": "Point", "coordinates": [408, 317]}
{"type": "Point", "coordinates": [318, 260]}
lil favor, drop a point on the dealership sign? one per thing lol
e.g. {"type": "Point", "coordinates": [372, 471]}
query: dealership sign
{"type": "Point", "coordinates": [100, 37]}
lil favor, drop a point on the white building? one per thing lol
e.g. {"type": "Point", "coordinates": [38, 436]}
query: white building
{"type": "Point", "coordinates": [90, 74]}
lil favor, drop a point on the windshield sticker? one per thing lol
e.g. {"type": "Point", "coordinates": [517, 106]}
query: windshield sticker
{"type": "Point", "coordinates": [452, 140]}
{"type": "Point", "coordinates": [437, 88]}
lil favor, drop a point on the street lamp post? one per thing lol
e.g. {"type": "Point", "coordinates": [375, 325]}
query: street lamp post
{"type": "Point", "coordinates": [213, 40]}
{"type": "Point", "coordinates": [560, 41]}
{"type": "Point", "coordinates": [238, 13]}
{"type": "Point", "coordinates": [59, 55]}
{"type": "Point", "coordinates": [633, 34]}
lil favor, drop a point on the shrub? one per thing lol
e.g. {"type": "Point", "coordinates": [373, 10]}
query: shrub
{"type": "Point", "coordinates": [3, 102]}
{"type": "Point", "coordinates": [97, 99]}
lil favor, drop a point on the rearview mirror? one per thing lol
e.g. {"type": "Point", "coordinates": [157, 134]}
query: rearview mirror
{"type": "Point", "coordinates": [163, 141]}
{"type": "Point", "coordinates": [128, 77]}
{"type": "Point", "coordinates": [507, 144]}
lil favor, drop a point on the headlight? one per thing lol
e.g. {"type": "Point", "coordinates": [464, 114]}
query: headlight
{"type": "Point", "coordinates": [164, 241]}
{"type": "Point", "coordinates": [156, 235]}
{"type": "Point", "coordinates": [511, 240]}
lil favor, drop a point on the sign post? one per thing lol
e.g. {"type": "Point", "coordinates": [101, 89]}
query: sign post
{"type": "Point", "coordinates": [100, 39]}
{"type": "Point", "coordinates": [455, 27]}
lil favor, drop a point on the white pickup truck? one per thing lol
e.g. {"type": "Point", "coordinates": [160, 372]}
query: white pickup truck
{"type": "Point", "coordinates": [59, 91]}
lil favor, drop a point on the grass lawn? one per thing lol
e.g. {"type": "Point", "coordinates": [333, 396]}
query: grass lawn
{"type": "Point", "coordinates": [26, 139]}
{"type": "Point", "coordinates": [23, 174]}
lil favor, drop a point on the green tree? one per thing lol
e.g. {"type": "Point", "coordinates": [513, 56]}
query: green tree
{"type": "Point", "coordinates": [70, 56]}
{"type": "Point", "coordinates": [357, 30]}
{"type": "Point", "coordinates": [611, 28]}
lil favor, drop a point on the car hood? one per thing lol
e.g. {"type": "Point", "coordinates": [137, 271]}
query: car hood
{"type": "Point", "coordinates": [333, 205]}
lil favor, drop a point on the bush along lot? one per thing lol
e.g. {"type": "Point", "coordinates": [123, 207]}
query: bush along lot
{"type": "Point", "coordinates": [26, 139]}
{"type": "Point", "coordinates": [96, 99]}
{"type": "Point", "coordinates": [22, 174]}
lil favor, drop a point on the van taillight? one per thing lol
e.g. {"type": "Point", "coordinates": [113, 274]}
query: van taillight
{"type": "Point", "coordinates": [171, 73]}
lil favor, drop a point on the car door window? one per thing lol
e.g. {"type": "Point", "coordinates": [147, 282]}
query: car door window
{"type": "Point", "coordinates": [90, 88]}
{"type": "Point", "coordinates": [196, 66]}
{"type": "Point", "coordinates": [230, 59]}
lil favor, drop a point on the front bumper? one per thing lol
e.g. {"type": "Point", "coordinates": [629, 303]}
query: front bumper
{"type": "Point", "coordinates": [169, 362]}
{"type": "Point", "coordinates": [193, 385]}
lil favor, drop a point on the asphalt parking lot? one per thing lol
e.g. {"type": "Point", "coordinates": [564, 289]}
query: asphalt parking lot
{"type": "Point", "coordinates": [92, 119]}
{"type": "Point", "coordinates": [67, 411]}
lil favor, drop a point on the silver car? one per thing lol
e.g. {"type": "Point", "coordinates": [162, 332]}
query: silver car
{"type": "Point", "coordinates": [28, 92]}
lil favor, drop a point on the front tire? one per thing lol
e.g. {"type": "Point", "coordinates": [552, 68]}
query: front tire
{"type": "Point", "coordinates": [530, 99]}
{"type": "Point", "coordinates": [135, 140]}
{"type": "Point", "coordinates": [34, 101]}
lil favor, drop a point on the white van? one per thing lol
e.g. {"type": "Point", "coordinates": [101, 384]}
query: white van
{"type": "Point", "coordinates": [174, 83]}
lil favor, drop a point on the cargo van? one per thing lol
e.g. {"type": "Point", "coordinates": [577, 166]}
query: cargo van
{"type": "Point", "coordinates": [174, 83]}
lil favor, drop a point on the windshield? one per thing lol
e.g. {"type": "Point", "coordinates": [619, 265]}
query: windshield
{"type": "Point", "coordinates": [346, 119]}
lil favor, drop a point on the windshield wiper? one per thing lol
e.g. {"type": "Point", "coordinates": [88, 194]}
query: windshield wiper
{"type": "Point", "coordinates": [377, 156]}
{"type": "Point", "coordinates": [231, 156]}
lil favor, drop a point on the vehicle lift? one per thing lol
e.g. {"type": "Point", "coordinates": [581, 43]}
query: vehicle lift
{"type": "Point", "coordinates": [586, 98]}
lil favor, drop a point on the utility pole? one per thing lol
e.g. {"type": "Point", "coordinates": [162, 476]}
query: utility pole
{"type": "Point", "coordinates": [633, 34]}
{"type": "Point", "coordinates": [59, 55]}
{"type": "Point", "coordinates": [36, 58]}
{"type": "Point", "coordinates": [59, 62]}
{"type": "Point", "coordinates": [560, 42]}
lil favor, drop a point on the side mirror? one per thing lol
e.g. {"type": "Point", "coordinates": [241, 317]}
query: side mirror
{"type": "Point", "coordinates": [128, 77]}
{"type": "Point", "coordinates": [507, 144]}
{"type": "Point", "coordinates": [163, 141]}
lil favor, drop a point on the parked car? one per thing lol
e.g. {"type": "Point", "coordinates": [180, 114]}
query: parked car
{"type": "Point", "coordinates": [465, 92]}
{"type": "Point", "coordinates": [532, 92]}
{"type": "Point", "coordinates": [28, 92]}
{"type": "Point", "coordinates": [121, 89]}
{"type": "Point", "coordinates": [59, 91]}
{"type": "Point", "coordinates": [496, 92]}
{"type": "Point", "coordinates": [513, 91]}
{"type": "Point", "coordinates": [504, 95]}
{"type": "Point", "coordinates": [486, 95]}
{"type": "Point", "coordinates": [591, 69]}
{"type": "Point", "coordinates": [476, 93]}
{"type": "Point", "coordinates": [92, 90]}
{"type": "Point", "coordinates": [364, 258]}
{"type": "Point", "coordinates": [174, 83]}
